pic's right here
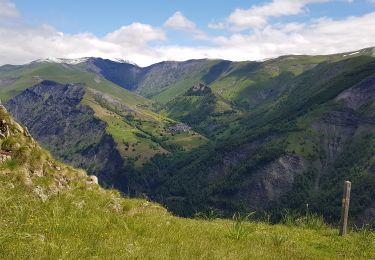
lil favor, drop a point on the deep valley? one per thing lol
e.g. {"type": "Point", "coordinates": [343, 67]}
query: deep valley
{"type": "Point", "coordinates": [211, 135]}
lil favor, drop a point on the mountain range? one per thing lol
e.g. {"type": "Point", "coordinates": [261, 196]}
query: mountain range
{"type": "Point", "coordinates": [50, 210]}
{"type": "Point", "coordinates": [203, 135]}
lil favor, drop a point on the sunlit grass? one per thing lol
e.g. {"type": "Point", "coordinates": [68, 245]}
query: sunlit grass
{"type": "Point", "coordinates": [82, 223]}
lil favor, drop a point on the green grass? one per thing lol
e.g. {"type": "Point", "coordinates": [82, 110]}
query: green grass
{"type": "Point", "coordinates": [142, 135]}
{"type": "Point", "coordinates": [188, 140]}
{"type": "Point", "coordinates": [92, 223]}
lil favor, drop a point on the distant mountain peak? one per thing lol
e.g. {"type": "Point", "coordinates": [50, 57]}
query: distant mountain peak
{"type": "Point", "coordinates": [121, 60]}
{"type": "Point", "coordinates": [79, 60]}
{"type": "Point", "coordinates": [61, 60]}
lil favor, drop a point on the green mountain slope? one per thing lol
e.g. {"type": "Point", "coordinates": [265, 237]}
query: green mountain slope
{"type": "Point", "coordinates": [166, 81]}
{"type": "Point", "coordinates": [200, 108]}
{"type": "Point", "coordinates": [265, 136]}
{"type": "Point", "coordinates": [241, 87]}
{"type": "Point", "coordinates": [128, 117]}
{"type": "Point", "coordinates": [50, 210]}
{"type": "Point", "coordinates": [293, 151]}
{"type": "Point", "coordinates": [250, 83]}
{"type": "Point", "coordinates": [161, 82]}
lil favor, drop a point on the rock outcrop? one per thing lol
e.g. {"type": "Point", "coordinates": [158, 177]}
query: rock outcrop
{"type": "Point", "coordinates": [56, 118]}
{"type": "Point", "coordinates": [271, 182]}
{"type": "Point", "coordinates": [28, 163]}
{"type": "Point", "coordinates": [4, 128]}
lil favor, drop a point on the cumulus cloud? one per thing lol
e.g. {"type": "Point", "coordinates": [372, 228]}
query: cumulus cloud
{"type": "Point", "coordinates": [257, 16]}
{"type": "Point", "coordinates": [145, 44]}
{"type": "Point", "coordinates": [322, 36]}
{"type": "Point", "coordinates": [135, 34]}
{"type": "Point", "coordinates": [8, 9]}
{"type": "Point", "coordinates": [179, 22]}
{"type": "Point", "coordinates": [24, 44]}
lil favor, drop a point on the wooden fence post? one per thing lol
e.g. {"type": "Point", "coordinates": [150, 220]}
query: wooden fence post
{"type": "Point", "coordinates": [345, 208]}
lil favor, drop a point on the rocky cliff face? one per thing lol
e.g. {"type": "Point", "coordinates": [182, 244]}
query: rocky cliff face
{"type": "Point", "coordinates": [53, 114]}
{"type": "Point", "coordinates": [352, 116]}
{"type": "Point", "coordinates": [123, 74]}
{"type": "Point", "coordinates": [271, 182]}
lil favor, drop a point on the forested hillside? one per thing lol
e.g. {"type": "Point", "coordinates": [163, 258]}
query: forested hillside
{"type": "Point", "coordinates": [211, 134]}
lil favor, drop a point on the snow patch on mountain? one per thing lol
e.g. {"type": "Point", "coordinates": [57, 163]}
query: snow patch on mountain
{"type": "Point", "coordinates": [75, 61]}
{"type": "Point", "coordinates": [351, 54]}
{"type": "Point", "coordinates": [61, 60]}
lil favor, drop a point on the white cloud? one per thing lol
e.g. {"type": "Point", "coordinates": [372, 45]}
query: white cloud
{"type": "Point", "coordinates": [323, 36]}
{"type": "Point", "coordinates": [8, 9]}
{"type": "Point", "coordinates": [145, 44]}
{"type": "Point", "coordinates": [24, 44]}
{"type": "Point", "coordinates": [219, 25]}
{"type": "Point", "coordinates": [135, 34]}
{"type": "Point", "coordinates": [179, 22]}
{"type": "Point", "coordinates": [257, 16]}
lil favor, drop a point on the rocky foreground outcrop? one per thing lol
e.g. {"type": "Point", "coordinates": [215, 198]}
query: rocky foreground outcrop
{"type": "Point", "coordinates": [22, 158]}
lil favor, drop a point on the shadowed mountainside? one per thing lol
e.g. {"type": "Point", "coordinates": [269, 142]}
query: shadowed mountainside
{"type": "Point", "coordinates": [54, 115]}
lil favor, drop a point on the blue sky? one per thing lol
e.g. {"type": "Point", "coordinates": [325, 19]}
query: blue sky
{"type": "Point", "coordinates": [150, 31]}
{"type": "Point", "coordinates": [101, 17]}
